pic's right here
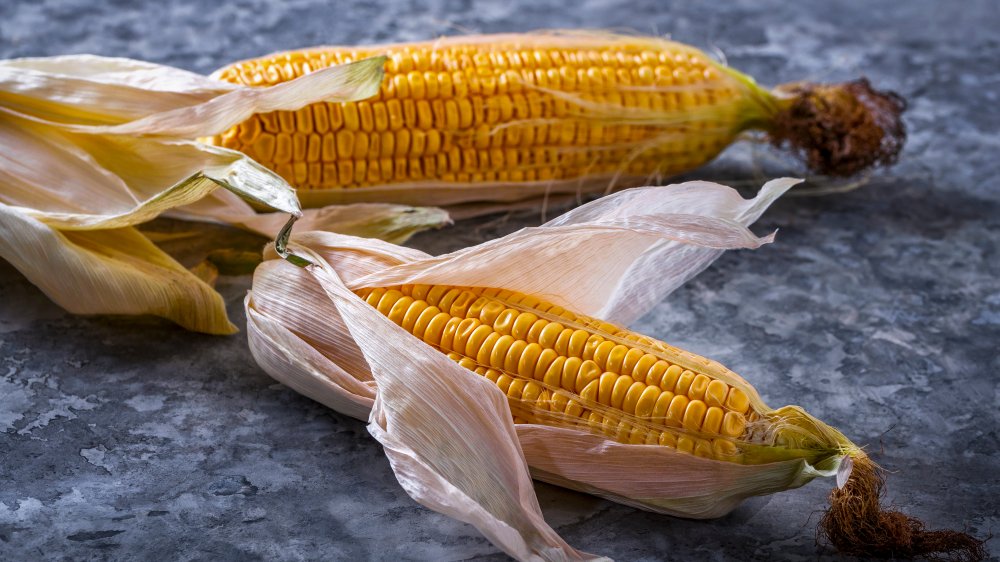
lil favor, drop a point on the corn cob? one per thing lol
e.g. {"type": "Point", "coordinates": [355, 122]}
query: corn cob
{"type": "Point", "coordinates": [545, 108]}
{"type": "Point", "coordinates": [560, 368]}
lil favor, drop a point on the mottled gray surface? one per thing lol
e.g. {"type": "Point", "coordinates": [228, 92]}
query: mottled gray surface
{"type": "Point", "coordinates": [878, 310]}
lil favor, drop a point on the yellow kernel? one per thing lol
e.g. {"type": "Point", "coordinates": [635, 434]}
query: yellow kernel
{"type": "Point", "coordinates": [388, 299]}
{"type": "Point", "coordinates": [733, 424]}
{"type": "Point", "coordinates": [590, 392]}
{"type": "Point", "coordinates": [631, 360]}
{"type": "Point", "coordinates": [668, 439]}
{"type": "Point", "coordinates": [477, 339]}
{"type": "Point", "coordinates": [352, 120]}
{"type": "Point", "coordinates": [395, 111]}
{"type": "Point", "coordinates": [685, 444]}
{"type": "Point", "coordinates": [698, 387]}
{"type": "Point", "coordinates": [638, 435]}
{"type": "Point", "coordinates": [500, 350]}
{"type": "Point", "coordinates": [738, 401]}
{"type": "Point", "coordinates": [434, 294]}
{"type": "Point", "coordinates": [492, 374]}
{"type": "Point", "coordinates": [529, 358]}
{"type": "Point", "coordinates": [675, 412]}
{"type": "Point", "coordinates": [621, 387]}
{"type": "Point", "coordinates": [448, 336]}
{"type": "Point", "coordinates": [694, 414]}
{"type": "Point", "coordinates": [522, 324]}
{"type": "Point", "coordinates": [616, 357]}
{"type": "Point", "coordinates": [632, 396]}
{"type": "Point", "coordinates": [574, 409]}
{"type": "Point", "coordinates": [516, 388]}
{"type": "Point", "coordinates": [703, 449]}
{"type": "Point", "coordinates": [476, 308]}
{"type": "Point", "coordinates": [514, 356]}
{"type": "Point", "coordinates": [602, 352]}
{"type": "Point", "coordinates": [684, 383]}
{"type": "Point", "coordinates": [723, 448]}
{"type": "Point", "coordinates": [380, 117]}
{"type": "Point", "coordinates": [576, 343]}
{"type": "Point", "coordinates": [415, 84]}
{"type": "Point", "coordinates": [648, 398]}
{"type": "Point", "coordinates": [420, 325]}
{"type": "Point", "coordinates": [533, 393]}
{"type": "Point", "coordinates": [504, 322]}
{"type": "Point", "coordinates": [586, 371]}
{"type": "Point", "coordinates": [713, 420]}
{"type": "Point", "coordinates": [549, 333]}
{"type": "Point", "coordinates": [559, 401]}
{"type": "Point", "coordinates": [503, 382]}
{"type": "Point", "coordinates": [553, 375]}
{"type": "Point", "coordinates": [464, 332]}
{"type": "Point", "coordinates": [490, 312]}
{"type": "Point", "coordinates": [460, 306]}
{"type": "Point", "coordinates": [283, 151]}
{"type": "Point", "coordinates": [606, 388]}
{"type": "Point", "coordinates": [264, 146]}
{"type": "Point", "coordinates": [374, 296]}
{"type": "Point", "coordinates": [715, 394]}
{"type": "Point", "coordinates": [657, 373]}
{"type": "Point", "coordinates": [561, 344]}
{"type": "Point", "coordinates": [449, 298]}
{"type": "Point", "coordinates": [486, 348]}
{"type": "Point", "coordinates": [591, 346]}
{"type": "Point", "coordinates": [642, 367]}
{"type": "Point", "coordinates": [435, 328]}
{"type": "Point", "coordinates": [399, 309]}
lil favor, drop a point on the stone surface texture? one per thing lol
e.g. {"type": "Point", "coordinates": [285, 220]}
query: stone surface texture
{"type": "Point", "coordinates": [878, 310]}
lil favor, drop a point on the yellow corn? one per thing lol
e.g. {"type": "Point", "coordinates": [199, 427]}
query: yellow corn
{"type": "Point", "coordinates": [508, 109]}
{"type": "Point", "coordinates": [560, 368]}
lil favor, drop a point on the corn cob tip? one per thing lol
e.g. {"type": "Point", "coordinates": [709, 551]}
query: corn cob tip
{"type": "Point", "coordinates": [840, 129]}
{"type": "Point", "coordinates": [857, 524]}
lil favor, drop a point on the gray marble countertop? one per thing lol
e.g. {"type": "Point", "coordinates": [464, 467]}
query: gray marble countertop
{"type": "Point", "coordinates": [877, 310]}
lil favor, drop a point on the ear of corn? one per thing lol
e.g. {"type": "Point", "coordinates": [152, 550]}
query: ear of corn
{"type": "Point", "coordinates": [441, 370]}
{"type": "Point", "coordinates": [590, 111]}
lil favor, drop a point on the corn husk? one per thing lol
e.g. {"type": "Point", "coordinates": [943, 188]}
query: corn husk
{"type": "Point", "coordinates": [93, 146]}
{"type": "Point", "coordinates": [447, 431]}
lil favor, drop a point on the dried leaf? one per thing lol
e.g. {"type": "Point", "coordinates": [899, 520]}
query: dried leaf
{"type": "Point", "coordinates": [113, 271]}
{"type": "Point", "coordinates": [98, 145]}
{"type": "Point", "coordinates": [206, 271]}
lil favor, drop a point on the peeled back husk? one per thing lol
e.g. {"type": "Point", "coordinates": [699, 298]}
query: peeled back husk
{"type": "Point", "coordinates": [94, 146]}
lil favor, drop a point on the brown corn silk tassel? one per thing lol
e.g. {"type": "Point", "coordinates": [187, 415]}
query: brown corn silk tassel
{"type": "Point", "coordinates": [589, 110]}
{"type": "Point", "coordinates": [840, 129]}
{"type": "Point", "coordinates": [857, 524]}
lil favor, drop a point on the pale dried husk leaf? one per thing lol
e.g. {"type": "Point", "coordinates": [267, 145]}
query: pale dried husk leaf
{"type": "Point", "coordinates": [109, 271]}
{"type": "Point", "coordinates": [449, 432]}
{"type": "Point", "coordinates": [99, 144]}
